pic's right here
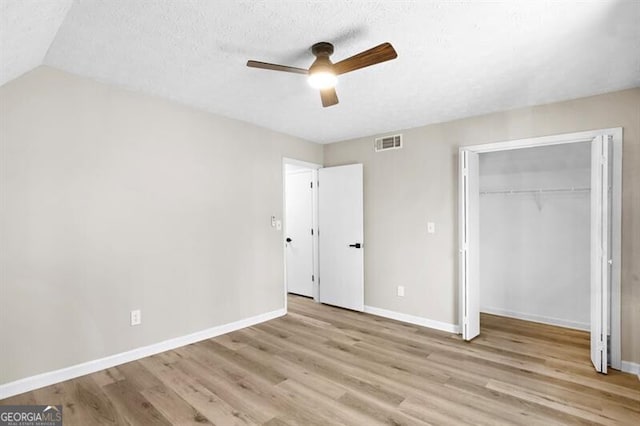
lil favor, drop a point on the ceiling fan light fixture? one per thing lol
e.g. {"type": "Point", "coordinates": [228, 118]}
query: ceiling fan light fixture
{"type": "Point", "coordinates": [322, 80]}
{"type": "Point", "coordinates": [322, 74]}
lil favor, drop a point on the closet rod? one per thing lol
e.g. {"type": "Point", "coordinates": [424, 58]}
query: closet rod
{"type": "Point", "coordinates": [535, 191]}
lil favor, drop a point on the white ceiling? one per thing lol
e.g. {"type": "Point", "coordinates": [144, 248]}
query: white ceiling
{"type": "Point", "coordinates": [456, 59]}
{"type": "Point", "coordinates": [27, 29]}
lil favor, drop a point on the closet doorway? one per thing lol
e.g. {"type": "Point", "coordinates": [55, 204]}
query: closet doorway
{"type": "Point", "coordinates": [340, 208]}
{"type": "Point", "coordinates": [300, 225]}
{"type": "Point", "coordinates": [540, 235]}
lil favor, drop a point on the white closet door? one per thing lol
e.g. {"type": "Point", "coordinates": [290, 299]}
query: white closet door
{"type": "Point", "coordinates": [299, 240]}
{"type": "Point", "coordinates": [341, 234]}
{"type": "Point", "coordinates": [600, 254]}
{"type": "Point", "coordinates": [469, 224]}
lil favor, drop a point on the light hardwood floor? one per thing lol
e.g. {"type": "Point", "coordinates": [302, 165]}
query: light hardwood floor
{"type": "Point", "coordinates": [324, 365]}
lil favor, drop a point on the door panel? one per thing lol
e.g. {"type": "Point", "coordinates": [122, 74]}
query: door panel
{"type": "Point", "coordinates": [341, 228]}
{"type": "Point", "coordinates": [469, 227]}
{"type": "Point", "coordinates": [299, 222]}
{"type": "Point", "coordinates": [600, 248]}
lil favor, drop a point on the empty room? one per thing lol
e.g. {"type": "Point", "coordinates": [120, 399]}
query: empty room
{"type": "Point", "coordinates": [299, 212]}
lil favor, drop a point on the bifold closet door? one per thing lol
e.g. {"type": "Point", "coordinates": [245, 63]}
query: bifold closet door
{"type": "Point", "coordinates": [469, 226]}
{"type": "Point", "coordinates": [600, 249]}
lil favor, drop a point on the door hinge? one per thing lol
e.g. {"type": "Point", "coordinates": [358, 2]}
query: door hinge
{"type": "Point", "coordinates": [311, 185]}
{"type": "Point", "coordinates": [313, 278]}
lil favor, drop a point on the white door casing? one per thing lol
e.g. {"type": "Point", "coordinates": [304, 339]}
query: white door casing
{"type": "Point", "coordinates": [341, 236]}
{"type": "Point", "coordinates": [469, 263]}
{"type": "Point", "coordinates": [299, 225]}
{"type": "Point", "coordinates": [600, 248]}
{"type": "Point", "coordinates": [605, 234]}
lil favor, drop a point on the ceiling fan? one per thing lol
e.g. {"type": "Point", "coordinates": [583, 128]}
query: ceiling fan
{"type": "Point", "coordinates": [323, 73]}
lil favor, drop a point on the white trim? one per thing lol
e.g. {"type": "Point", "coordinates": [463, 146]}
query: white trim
{"type": "Point", "coordinates": [576, 325]}
{"type": "Point", "coordinates": [293, 161]}
{"type": "Point", "coordinates": [45, 379]}
{"type": "Point", "coordinates": [412, 319]}
{"type": "Point", "coordinates": [585, 136]}
{"type": "Point", "coordinates": [630, 367]}
{"type": "Point", "coordinates": [616, 232]}
{"type": "Point", "coordinates": [616, 253]}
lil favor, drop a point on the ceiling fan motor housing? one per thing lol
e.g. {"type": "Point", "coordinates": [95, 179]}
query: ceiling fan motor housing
{"type": "Point", "coordinates": [322, 51]}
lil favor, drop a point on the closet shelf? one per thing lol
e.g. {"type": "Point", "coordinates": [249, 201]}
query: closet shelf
{"type": "Point", "coordinates": [535, 191]}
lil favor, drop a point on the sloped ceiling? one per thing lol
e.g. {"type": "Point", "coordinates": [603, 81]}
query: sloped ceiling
{"type": "Point", "coordinates": [27, 29]}
{"type": "Point", "coordinates": [456, 59]}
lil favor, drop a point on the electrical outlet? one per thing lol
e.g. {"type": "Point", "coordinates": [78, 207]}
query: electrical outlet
{"type": "Point", "coordinates": [431, 227]}
{"type": "Point", "coordinates": [136, 317]}
{"type": "Point", "coordinates": [401, 290]}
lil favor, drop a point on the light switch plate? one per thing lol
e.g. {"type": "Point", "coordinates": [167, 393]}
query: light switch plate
{"type": "Point", "coordinates": [431, 227]}
{"type": "Point", "coordinates": [136, 317]}
{"type": "Point", "coordinates": [401, 291]}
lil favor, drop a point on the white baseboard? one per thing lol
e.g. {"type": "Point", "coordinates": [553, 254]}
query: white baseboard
{"type": "Point", "coordinates": [631, 367]}
{"type": "Point", "coordinates": [45, 379]}
{"type": "Point", "coordinates": [538, 318]}
{"type": "Point", "coordinates": [412, 319]}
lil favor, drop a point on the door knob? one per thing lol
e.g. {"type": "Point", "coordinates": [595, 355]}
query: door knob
{"type": "Point", "coordinates": [356, 245]}
{"type": "Point", "coordinates": [288, 240]}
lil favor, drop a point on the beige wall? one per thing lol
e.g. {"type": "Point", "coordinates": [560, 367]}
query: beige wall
{"type": "Point", "coordinates": [112, 201]}
{"type": "Point", "coordinates": [404, 189]}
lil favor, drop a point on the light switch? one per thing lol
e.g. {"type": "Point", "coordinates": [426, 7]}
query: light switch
{"type": "Point", "coordinates": [431, 228]}
{"type": "Point", "coordinates": [279, 225]}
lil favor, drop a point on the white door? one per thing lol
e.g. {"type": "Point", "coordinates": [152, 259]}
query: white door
{"type": "Point", "coordinates": [341, 236]}
{"type": "Point", "coordinates": [600, 250]}
{"type": "Point", "coordinates": [298, 234]}
{"type": "Point", "coordinates": [469, 226]}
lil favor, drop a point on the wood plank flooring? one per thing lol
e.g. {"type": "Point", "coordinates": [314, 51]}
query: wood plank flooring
{"type": "Point", "coordinates": [321, 365]}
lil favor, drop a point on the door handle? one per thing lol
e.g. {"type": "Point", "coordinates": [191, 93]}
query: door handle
{"type": "Point", "coordinates": [356, 245]}
{"type": "Point", "coordinates": [288, 240]}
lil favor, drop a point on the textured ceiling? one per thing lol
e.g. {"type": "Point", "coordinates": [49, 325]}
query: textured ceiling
{"type": "Point", "coordinates": [456, 59]}
{"type": "Point", "coordinates": [27, 28]}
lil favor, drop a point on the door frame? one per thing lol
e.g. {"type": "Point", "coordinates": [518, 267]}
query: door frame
{"type": "Point", "coordinates": [616, 134]}
{"type": "Point", "coordinates": [314, 196]}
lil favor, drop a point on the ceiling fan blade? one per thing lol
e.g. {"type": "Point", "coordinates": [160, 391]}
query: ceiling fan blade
{"type": "Point", "coordinates": [276, 67]}
{"type": "Point", "coordinates": [329, 97]}
{"type": "Point", "coordinates": [381, 53]}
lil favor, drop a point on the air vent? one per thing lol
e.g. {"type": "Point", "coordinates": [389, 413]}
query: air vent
{"type": "Point", "coordinates": [388, 142]}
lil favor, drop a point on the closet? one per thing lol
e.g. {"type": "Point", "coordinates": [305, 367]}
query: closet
{"type": "Point", "coordinates": [534, 234]}
{"type": "Point", "coordinates": [539, 232]}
